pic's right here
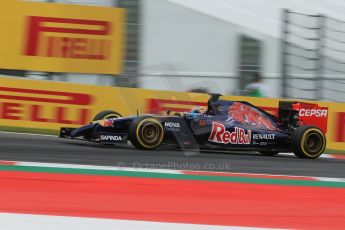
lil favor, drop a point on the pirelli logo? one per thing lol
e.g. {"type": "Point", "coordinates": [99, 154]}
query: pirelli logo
{"type": "Point", "coordinates": [44, 106]}
{"type": "Point", "coordinates": [68, 38]}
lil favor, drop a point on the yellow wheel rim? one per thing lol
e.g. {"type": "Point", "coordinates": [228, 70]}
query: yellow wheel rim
{"type": "Point", "coordinates": [149, 133]}
{"type": "Point", "coordinates": [313, 143]}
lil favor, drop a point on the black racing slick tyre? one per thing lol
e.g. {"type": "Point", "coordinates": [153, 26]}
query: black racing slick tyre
{"type": "Point", "coordinates": [268, 153]}
{"type": "Point", "coordinates": [308, 142]}
{"type": "Point", "coordinates": [106, 114]}
{"type": "Point", "coordinates": [146, 133]}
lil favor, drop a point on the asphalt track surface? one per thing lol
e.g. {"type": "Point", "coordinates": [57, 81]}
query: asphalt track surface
{"type": "Point", "coordinates": [50, 149]}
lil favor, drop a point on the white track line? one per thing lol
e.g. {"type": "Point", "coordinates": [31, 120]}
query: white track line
{"type": "Point", "coordinates": [95, 167]}
{"type": "Point", "coordinates": [43, 222]}
{"type": "Point", "coordinates": [329, 156]}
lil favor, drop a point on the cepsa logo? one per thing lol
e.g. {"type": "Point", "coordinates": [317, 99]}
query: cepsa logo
{"type": "Point", "coordinates": [313, 112]}
{"type": "Point", "coordinates": [44, 106]}
{"type": "Point", "coordinates": [220, 135]}
{"type": "Point", "coordinates": [68, 38]}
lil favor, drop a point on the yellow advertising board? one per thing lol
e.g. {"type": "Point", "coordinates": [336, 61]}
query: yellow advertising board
{"type": "Point", "coordinates": [51, 105]}
{"type": "Point", "coordinates": [61, 37]}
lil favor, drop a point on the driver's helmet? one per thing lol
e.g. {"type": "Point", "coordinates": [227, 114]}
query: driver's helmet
{"type": "Point", "coordinates": [197, 110]}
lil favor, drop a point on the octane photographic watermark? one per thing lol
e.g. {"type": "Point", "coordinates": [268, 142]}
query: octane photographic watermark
{"type": "Point", "coordinates": [196, 166]}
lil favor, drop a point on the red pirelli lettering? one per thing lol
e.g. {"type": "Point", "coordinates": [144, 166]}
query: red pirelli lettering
{"type": "Point", "coordinates": [71, 98]}
{"type": "Point", "coordinates": [58, 109]}
{"type": "Point", "coordinates": [11, 111]}
{"type": "Point", "coordinates": [67, 47]}
{"type": "Point", "coordinates": [340, 127]}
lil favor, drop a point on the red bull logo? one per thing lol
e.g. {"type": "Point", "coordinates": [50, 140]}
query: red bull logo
{"type": "Point", "coordinates": [220, 135]}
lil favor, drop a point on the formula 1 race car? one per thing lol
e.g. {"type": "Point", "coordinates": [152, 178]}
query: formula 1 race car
{"type": "Point", "coordinates": [233, 125]}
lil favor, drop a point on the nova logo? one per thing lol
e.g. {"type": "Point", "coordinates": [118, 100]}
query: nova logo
{"type": "Point", "coordinates": [172, 125]}
{"type": "Point", "coordinates": [68, 38]}
{"type": "Point", "coordinates": [220, 135]}
{"type": "Point", "coordinates": [110, 138]}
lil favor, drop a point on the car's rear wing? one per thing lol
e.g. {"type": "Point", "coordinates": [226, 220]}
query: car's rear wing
{"type": "Point", "coordinates": [300, 113]}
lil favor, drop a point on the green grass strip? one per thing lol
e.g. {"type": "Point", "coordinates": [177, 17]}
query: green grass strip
{"type": "Point", "coordinates": [273, 181]}
{"type": "Point", "coordinates": [29, 130]}
{"type": "Point", "coordinates": [333, 151]}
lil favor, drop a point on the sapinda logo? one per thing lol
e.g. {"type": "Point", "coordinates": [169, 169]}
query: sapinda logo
{"type": "Point", "coordinates": [220, 135]}
{"type": "Point", "coordinates": [313, 112]}
{"type": "Point", "coordinates": [57, 107]}
{"type": "Point", "coordinates": [68, 38]}
{"type": "Point", "coordinates": [110, 138]}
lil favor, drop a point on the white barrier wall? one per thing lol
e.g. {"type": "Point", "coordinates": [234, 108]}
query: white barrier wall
{"type": "Point", "coordinates": [201, 49]}
{"type": "Point", "coordinates": [200, 38]}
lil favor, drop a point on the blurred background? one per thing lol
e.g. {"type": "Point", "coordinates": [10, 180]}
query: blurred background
{"type": "Point", "coordinates": [296, 46]}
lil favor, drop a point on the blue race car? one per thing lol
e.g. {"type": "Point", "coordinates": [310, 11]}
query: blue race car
{"type": "Point", "coordinates": [223, 124]}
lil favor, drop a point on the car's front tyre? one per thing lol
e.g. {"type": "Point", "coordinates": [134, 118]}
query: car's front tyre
{"type": "Point", "coordinates": [146, 133]}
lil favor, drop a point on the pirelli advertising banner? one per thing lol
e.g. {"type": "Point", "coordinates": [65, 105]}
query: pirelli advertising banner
{"type": "Point", "coordinates": [51, 105]}
{"type": "Point", "coordinates": [61, 37]}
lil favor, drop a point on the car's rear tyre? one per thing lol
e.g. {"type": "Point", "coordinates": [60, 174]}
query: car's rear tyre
{"type": "Point", "coordinates": [308, 142]}
{"type": "Point", "coordinates": [146, 133]}
{"type": "Point", "coordinates": [268, 153]}
{"type": "Point", "coordinates": [106, 114]}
